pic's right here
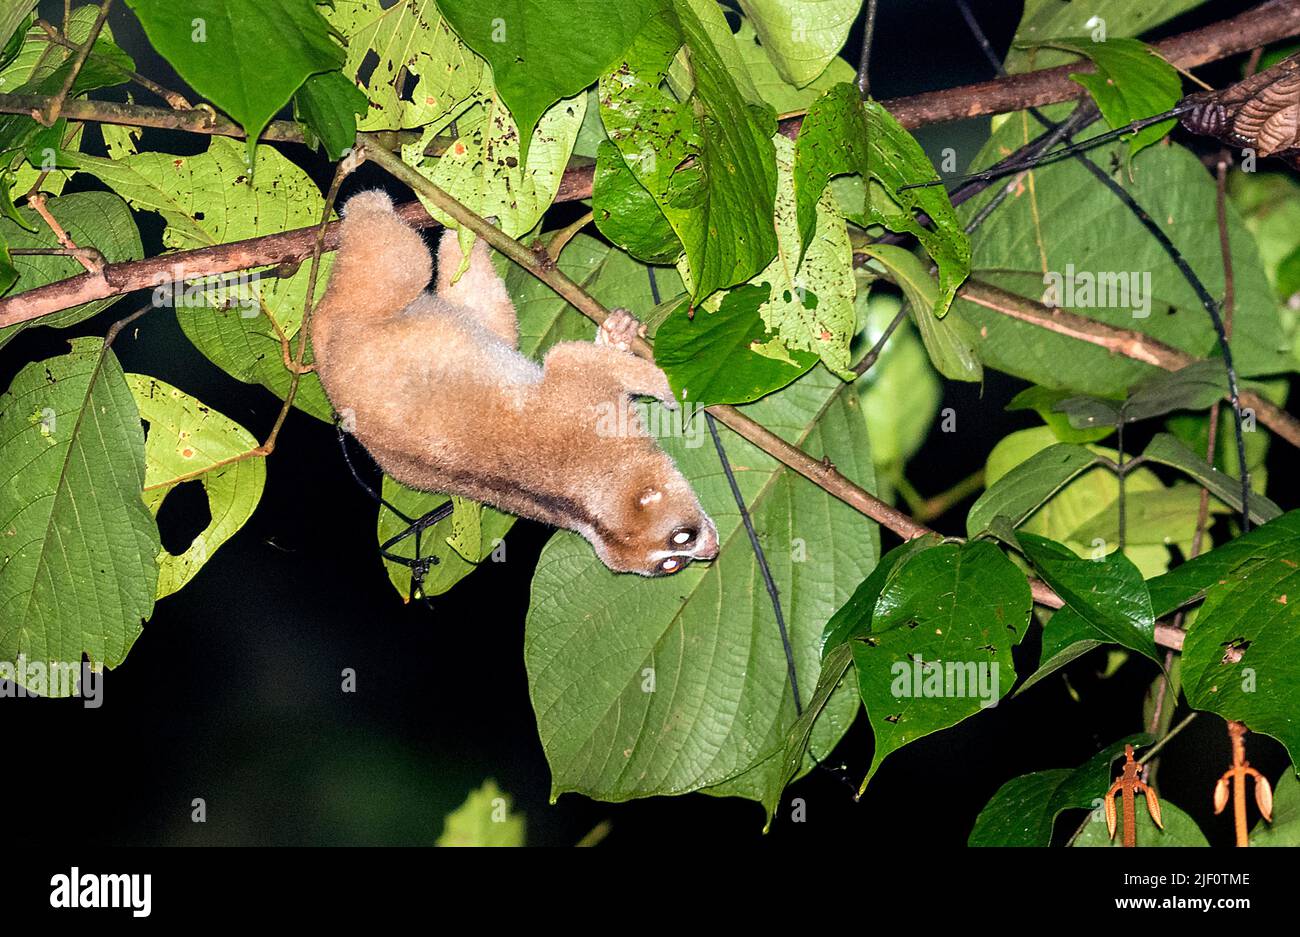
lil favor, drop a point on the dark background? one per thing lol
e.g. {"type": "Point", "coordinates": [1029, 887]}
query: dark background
{"type": "Point", "coordinates": [232, 693]}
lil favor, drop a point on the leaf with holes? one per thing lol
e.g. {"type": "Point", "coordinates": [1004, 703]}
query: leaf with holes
{"type": "Point", "coordinates": [78, 546]}
{"type": "Point", "coordinates": [1239, 656]}
{"type": "Point", "coordinates": [530, 68]}
{"type": "Point", "coordinates": [675, 684]}
{"type": "Point", "coordinates": [185, 437]}
{"type": "Point", "coordinates": [412, 68]}
{"type": "Point", "coordinates": [939, 650]}
{"type": "Point", "coordinates": [843, 134]}
{"type": "Point", "coordinates": [236, 320]}
{"type": "Point", "coordinates": [707, 161]}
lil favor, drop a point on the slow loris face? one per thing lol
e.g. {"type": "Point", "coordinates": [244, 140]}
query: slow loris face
{"type": "Point", "coordinates": [439, 394]}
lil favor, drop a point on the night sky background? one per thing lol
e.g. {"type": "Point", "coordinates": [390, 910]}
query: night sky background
{"type": "Point", "coordinates": [232, 693]}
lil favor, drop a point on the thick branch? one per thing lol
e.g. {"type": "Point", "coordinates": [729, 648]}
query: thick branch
{"type": "Point", "coordinates": [1125, 342]}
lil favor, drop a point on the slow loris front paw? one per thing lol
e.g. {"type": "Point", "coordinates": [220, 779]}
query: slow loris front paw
{"type": "Point", "coordinates": [619, 330]}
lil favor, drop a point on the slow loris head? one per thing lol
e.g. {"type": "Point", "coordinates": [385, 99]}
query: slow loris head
{"type": "Point", "coordinates": [657, 526]}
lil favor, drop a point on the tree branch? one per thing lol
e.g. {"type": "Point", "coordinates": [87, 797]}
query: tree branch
{"type": "Point", "coordinates": [1124, 342]}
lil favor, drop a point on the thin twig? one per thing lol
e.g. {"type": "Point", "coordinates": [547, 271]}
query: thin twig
{"type": "Point", "coordinates": [864, 63]}
{"type": "Point", "coordinates": [763, 568]}
{"type": "Point", "coordinates": [51, 115]}
{"type": "Point", "coordinates": [174, 99]}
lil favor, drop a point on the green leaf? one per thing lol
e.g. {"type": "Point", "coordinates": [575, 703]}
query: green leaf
{"type": "Point", "coordinates": [77, 543]}
{"type": "Point", "coordinates": [41, 68]}
{"type": "Point", "coordinates": [843, 134]}
{"type": "Point", "coordinates": [711, 358]}
{"type": "Point", "coordinates": [707, 161]}
{"type": "Point", "coordinates": [1067, 636]}
{"type": "Point", "coordinates": [626, 213]}
{"type": "Point", "coordinates": [801, 37]}
{"type": "Point", "coordinates": [1045, 20]}
{"type": "Point", "coordinates": [901, 392]}
{"type": "Point", "coordinates": [834, 666]}
{"type": "Point", "coordinates": [186, 437]}
{"type": "Point", "coordinates": [407, 43]}
{"type": "Point", "coordinates": [210, 198]}
{"type": "Point", "coordinates": [1131, 82]}
{"type": "Point", "coordinates": [1285, 828]}
{"type": "Point", "coordinates": [1033, 245]}
{"type": "Point", "coordinates": [329, 104]}
{"type": "Point", "coordinates": [939, 650]}
{"type": "Point", "coordinates": [1239, 656]}
{"type": "Point", "coordinates": [948, 341]}
{"type": "Point", "coordinates": [484, 819]}
{"type": "Point", "coordinates": [1043, 401]}
{"type": "Point", "coordinates": [1029, 485]}
{"type": "Point", "coordinates": [92, 219]}
{"type": "Point", "coordinates": [531, 66]}
{"type": "Point", "coordinates": [1109, 592]}
{"type": "Point", "coordinates": [247, 56]}
{"type": "Point", "coordinates": [1024, 810]}
{"type": "Point", "coordinates": [721, 706]}
{"type": "Point", "coordinates": [853, 619]}
{"type": "Point", "coordinates": [483, 168]}
{"type": "Point", "coordinates": [1179, 828]}
{"type": "Point", "coordinates": [1169, 450]}
{"type": "Point", "coordinates": [1179, 586]}
{"type": "Point", "coordinates": [452, 566]}
{"type": "Point", "coordinates": [768, 83]}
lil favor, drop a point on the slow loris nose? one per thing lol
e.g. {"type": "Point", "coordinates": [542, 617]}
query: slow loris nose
{"type": "Point", "coordinates": [707, 546]}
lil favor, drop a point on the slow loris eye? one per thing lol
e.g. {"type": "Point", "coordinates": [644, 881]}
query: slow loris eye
{"type": "Point", "coordinates": [682, 536]}
{"type": "Point", "coordinates": [670, 565]}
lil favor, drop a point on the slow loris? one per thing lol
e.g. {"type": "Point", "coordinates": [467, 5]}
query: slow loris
{"type": "Point", "coordinates": [439, 394]}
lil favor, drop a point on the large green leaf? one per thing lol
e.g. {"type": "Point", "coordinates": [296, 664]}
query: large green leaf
{"type": "Point", "coordinates": [721, 705]}
{"type": "Point", "coordinates": [1181, 585]}
{"type": "Point", "coordinates": [1067, 636]}
{"type": "Point", "coordinates": [1024, 810]}
{"type": "Point", "coordinates": [422, 74]}
{"type": "Point", "coordinates": [626, 213]}
{"type": "Point", "coordinates": [186, 437]}
{"type": "Point", "coordinates": [801, 37]}
{"type": "Point", "coordinates": [247, 56]}
{"type": "Point", "coordinates": [208, 199]}
{"type": "Point", "coordinates": [939, 650]}
{"type": "Point", "coordinates": [1109, 591]}
{"type": "Point", "coordinates": [842, 134]}
{"type": "Point", "coordinates": [92, 219]}
{"type": "Point", "coordinates": [531, 67]}
{"type": "Point", "coordinates": [1168, 450]}
{"type": "Point", "coordinates": [1239, 656]}
{"type": "Point", "coordinates": [1062, 230]}
{"type": "Point", "coordinates": [711, 358]}
{"type": "Point", "coordinates": [77, 543]}
{"type": "Point", "coordinates": [707, 161]}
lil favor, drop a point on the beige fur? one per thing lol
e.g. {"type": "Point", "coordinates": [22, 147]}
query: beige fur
{"type": "Point", "coordinates": [436, 389]}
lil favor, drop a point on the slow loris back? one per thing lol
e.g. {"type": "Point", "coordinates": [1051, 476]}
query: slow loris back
{"type": "Point", "coordinates": [437, 391]}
